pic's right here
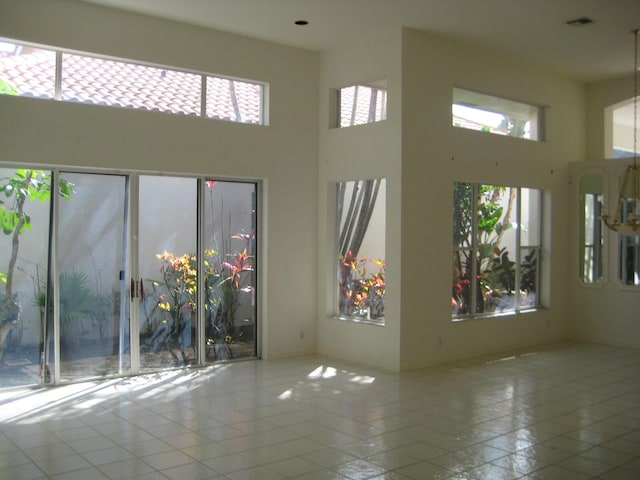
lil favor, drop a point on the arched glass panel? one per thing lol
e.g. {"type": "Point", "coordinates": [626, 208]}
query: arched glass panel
{"type": "Point", "coordinates": [591, 232]}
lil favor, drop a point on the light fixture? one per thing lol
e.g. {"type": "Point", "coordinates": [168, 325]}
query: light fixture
{"type": "Point", "coordinates": [579, 22]}
{"type": "Point", "coordinates": [626, 219]}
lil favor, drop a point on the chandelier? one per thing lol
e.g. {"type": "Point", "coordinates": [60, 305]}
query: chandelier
{"type": "Point", "coordinates": [626, 220]}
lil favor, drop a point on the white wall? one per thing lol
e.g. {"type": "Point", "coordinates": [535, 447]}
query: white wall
{"type": "Point", "coordinates": [360, 152]}
{"type": "Point", "coordinates": [421, 155]}
{"type": "Point", "coordinates": [282, 155]}
{"type": "Point", "coordinates": [610, 311]}
{"type": "Point", "coordinates": [435, 154]}
{"type": "Point", "coordinates": [601, 95]}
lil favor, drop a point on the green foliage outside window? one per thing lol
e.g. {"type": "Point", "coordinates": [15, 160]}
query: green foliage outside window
{"type": "Point", "coordinates": [484, 257]}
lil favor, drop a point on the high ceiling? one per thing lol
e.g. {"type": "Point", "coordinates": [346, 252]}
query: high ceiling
{"type": "Point", "coordinates": [535, 30]}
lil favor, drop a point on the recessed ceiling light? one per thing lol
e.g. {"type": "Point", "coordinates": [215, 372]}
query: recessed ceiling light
{"type": "Point", "coordinates": [579, 22]}
{"type": "Point", "coordinates": [301, 22]}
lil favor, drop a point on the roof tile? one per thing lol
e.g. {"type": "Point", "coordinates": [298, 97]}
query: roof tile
{"type": "Point", "coordinates": [128, 85]}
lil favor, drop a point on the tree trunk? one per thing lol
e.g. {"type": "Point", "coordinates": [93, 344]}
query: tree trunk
{"type": "Point", "coordinates": [373, 100]}
{"type": "Point", "coordinates": [234, 101]}
{"type": "Point", "coordinates": [507, 215]}
{"type": "Point", "coordinates": [12, 310]}
{"type": "Point", "coordinates": [361, 205]}
{"type": "Point", "coordinates": [354, 106]}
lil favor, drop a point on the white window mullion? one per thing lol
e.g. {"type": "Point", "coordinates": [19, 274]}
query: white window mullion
{"type": "Point", "coordinates": [134, 225]}
{"type": "Point", "coordinates": [58, 77]}
{"type": "Point", "coordinates": [203, 97]}
{"type": "Point", "coordinates": [201, 354]}
{"type": "Point", "coordinates": [473, 274]}
{"type": "Point", "coordinates": [518, 255]}
{"type": "Point", "coordinates": [125, 274]}
{"type": "Point", "coordinates": [53, 274]}
{"type": "Point", "coordinates": [539, 248]}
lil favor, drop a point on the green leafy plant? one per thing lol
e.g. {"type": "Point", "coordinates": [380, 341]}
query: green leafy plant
{"type": "Point", "coordinates": [233, 280]}
{"type": "Point", "coordinates": [15, 191]}
{"type": "Point", "coordinates": [7, 88]}
{"type": "Point", "coordinates": [529, 272]}
{"type": "Point", "coordinates": [175, 298]}
{"type": "Point", "coordinates": [78, 303]}
{"type": "Point", "coordinates": [234, 266]}
{"type": "Point", "coordinates": [501, 272]}
{"type": "Point", "coordinates": [495, 272]}
{"type": "Point", "coordinates": [174, 303]}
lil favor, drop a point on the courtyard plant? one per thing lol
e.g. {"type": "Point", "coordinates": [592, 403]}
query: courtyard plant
{"type": "Point", "coordinates": [170, 321]}
{"type": "Point", "coordinates": [494, 269]}
{"type": "Point", "coordinates": [16, 191]}
{"type": "Point", "coordinates": [361, 290]}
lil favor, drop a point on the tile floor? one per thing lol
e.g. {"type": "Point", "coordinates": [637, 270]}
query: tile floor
{"type": "Point", "coordinates": [563, 412]}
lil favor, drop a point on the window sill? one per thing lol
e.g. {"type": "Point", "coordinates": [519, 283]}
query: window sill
{"type": "Point", "coordinates": [366, 321]}
{"type": "Point", "coordinates": [511, 313]}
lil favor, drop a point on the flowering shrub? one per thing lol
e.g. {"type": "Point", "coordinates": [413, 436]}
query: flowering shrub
{"type": "Point", "coordinates": [169, 322]}
{"type": "Point", "coordinates": [179, 279]}
{"type": "Point", "coordinates": [361, 292]}
{"type": "Point", "coordinates": [224, 297]}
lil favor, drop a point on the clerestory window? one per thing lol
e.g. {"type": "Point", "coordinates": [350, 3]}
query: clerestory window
{"type": "Point", "coordinates": [361, 104]}
{"type": "Point", "coordinates": [84, 78]}
{"type": "Point", "coordinates": [491, 114]}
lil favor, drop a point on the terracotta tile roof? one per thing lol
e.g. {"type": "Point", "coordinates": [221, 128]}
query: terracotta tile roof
{"type": "Point", "coordinates": [33, 75]}
{"type": "Point", "coordinates": [356, 103]}
{"type": "Point", "coordinates": [107, 82]}
{"type": "Point", "coordinates": [462, 122]}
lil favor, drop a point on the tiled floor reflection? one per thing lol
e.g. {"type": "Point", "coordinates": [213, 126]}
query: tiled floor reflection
{"type": "Point", "coordinates": [563, 412]}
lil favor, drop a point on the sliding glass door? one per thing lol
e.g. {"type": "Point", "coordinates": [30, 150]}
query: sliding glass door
{"type": "Point", "coordinates": [167, 224]}
{"type": "Point", "coordinates": [196, 308]}
{"type": "Point", "coordinates": [90, 275]}
{"type": "Point", "coordinates": [25, 202]}
{"type": "Point", "coordinates": [229, 266]}
{"type": "Point", "coordinates": [121, 274]}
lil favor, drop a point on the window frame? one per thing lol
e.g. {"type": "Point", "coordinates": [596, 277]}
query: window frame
{"type": "Point", "coordinates": [488, 105]}
{"type": "Point", "coordinates": [375, 268]}
{"type": "Point", "coordinates": [592, 185]}
{"type": "Point", "coordinates": [204, 80]}
{"type": "Point", "coordinates": [131, 268]}
{"type": "Point", "coordinates": [618, 136]}
{"type": "Point", "coordinates": [474, 253]}
{"type": "Point", "coordinates": [378, 114]}
{"type": "Point", "coordinates": [626, 245]}
{"type": "Point", "coordinates": [593, 274]}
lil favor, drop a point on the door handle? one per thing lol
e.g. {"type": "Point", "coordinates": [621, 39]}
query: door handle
{"type": "Point", "coordinates": [137, 289]}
